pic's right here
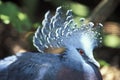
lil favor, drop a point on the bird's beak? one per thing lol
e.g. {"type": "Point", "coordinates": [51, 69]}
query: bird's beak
{"type": "Point", "coordinates": [92, 60]}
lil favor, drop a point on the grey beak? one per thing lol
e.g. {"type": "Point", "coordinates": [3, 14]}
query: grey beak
{"type": "Point", "coordinates": [92, 60]}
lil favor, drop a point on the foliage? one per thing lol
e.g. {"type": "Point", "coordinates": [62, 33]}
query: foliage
{"type": "Point", "coordinates": [103, 63]}
{"type": "Point", "coordinates": [10, 14]}
{"type": "Point", "coordinates": [112, 41]}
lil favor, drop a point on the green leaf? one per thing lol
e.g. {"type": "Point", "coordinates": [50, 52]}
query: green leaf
{"type": "Point", "coordinates": [10, 14]}
{"type": "Point", "coordinates": [112, 41]}
{"type": "Point", "coordinates": [103, 63]}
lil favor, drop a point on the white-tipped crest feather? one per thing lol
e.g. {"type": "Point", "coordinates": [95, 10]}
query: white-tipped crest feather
{"type": "Point", "coordinates": [58, 31]}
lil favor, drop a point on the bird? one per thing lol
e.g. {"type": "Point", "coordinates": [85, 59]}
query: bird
{"type": "Point", "coordinates": [65, 51]}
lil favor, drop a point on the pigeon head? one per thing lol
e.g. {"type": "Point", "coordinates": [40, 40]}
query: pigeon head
{"type": "Point", "coordinates": [61, 32]}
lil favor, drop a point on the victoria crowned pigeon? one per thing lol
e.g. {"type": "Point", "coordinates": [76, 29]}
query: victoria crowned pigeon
{"type": "Point", "coordinates": [65, 52]}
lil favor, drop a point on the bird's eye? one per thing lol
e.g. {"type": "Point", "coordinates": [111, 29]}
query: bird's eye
{"type": "Point", "coordinates": [80, 51]}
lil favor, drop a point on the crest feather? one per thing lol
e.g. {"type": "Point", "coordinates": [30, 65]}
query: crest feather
{"type": "Point", "coordinates": [56, 30]}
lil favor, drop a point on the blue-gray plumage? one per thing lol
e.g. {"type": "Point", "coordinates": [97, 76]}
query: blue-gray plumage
{"type": "Point", "coordinates": [75, 45]}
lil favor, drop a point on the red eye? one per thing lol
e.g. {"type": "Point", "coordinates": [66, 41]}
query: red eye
{"type": "Point", "coordinates": [81, 52]}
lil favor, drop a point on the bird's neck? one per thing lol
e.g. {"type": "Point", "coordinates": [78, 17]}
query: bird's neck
{"type": "Point", "coordinates": [73, 57]}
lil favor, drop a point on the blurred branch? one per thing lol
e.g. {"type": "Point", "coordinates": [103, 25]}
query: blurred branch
{"type": "Point", "coordinates": [103, 10]}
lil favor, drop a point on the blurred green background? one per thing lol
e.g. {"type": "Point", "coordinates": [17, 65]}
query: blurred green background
{"type": "Point", "coordinates": [20, 18]}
